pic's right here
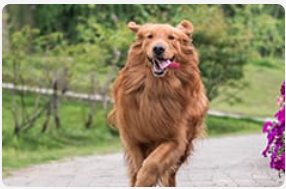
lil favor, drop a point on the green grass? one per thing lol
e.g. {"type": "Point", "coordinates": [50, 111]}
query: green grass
{"type": "Point", "coordinates": [16, 158]}
{"type": "Point", "coordinates": [222, 126]}
{"type": "Point", "coordinates": [72, 139]}
{"type": "Point", "coordinates": [262, 79]}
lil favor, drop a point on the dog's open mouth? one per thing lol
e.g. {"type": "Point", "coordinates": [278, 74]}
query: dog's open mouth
{"type": "Point", "coordinates": [160, 65]}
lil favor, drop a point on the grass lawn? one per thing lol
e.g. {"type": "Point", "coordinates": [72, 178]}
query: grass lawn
{"type": "Point", "coordinates": [222, 126]}
{"type": "Point", "coordinates": [262, 80]}
{"type": "Point", "coordinates": [72, 139]}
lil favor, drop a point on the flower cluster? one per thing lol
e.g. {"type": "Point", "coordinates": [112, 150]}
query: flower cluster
{"type": "Point", "coordinates": [276, 135]}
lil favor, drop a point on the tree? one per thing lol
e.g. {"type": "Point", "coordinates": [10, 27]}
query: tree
{"type": "Point", "coordinates": [226, 36]}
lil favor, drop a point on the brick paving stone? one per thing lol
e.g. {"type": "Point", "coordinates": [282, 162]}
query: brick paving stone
{"type": "Point", "coordinates": [227, 161]}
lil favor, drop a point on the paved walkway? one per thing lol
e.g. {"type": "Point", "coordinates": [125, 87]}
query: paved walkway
{"type": "Point", "coordinates": [229, 161]}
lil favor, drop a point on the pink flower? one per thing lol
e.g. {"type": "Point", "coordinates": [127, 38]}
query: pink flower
{"type": "Point", "coordinates": [280, 115]}
{"type": "Point", "coordinates": [266, 126]}
{"type": "Point", "coordinates": [276, 136]}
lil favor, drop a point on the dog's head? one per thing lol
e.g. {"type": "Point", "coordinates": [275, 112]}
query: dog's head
{"type": "Point", "coordinates": [162, 44]}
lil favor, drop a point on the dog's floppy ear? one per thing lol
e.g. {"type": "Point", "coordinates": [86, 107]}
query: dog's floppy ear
{"type": "Point", "coordinates": [133, 27]}
{"type": "Point", "coordinates": [186, 26]}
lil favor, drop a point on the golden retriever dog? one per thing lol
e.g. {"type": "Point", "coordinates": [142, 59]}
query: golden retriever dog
{"type": "Point", "coordinates": [159, 103]}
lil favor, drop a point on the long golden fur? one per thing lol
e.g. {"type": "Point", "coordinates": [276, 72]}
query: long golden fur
{"type": "Point", "coordinates": [158, 117]}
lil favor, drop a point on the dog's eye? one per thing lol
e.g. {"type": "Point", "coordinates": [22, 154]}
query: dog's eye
{"type": "Point", "coordinates": [171, 37]}
{"type": "Point", "coordinates": [150, 36]}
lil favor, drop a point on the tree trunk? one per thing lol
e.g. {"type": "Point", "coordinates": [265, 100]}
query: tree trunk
{"type": "Point", "coordinates": [48, 115]}
{"type": "Point", "coordinates": [56, 104]}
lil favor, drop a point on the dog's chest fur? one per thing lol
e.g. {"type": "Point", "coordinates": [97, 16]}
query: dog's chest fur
{"type": "Point", "coordinates": [154, 109]}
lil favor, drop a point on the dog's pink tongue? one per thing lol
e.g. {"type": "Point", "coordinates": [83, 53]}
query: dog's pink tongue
{"type": "Point", "coordinates": [174, 65]}
{"type": "Point", "coordinates": [167, 63]}
{"type": "Point", "coordinates": [164, 64]}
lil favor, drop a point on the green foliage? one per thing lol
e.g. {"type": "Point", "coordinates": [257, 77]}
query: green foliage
{"type": "Point", "coordinates": [223, 50]}
{"type": "Point", "coordinates": [226, 36]}
{"type": "Point", "coordinates": [43, 56]}
{"type": "Point", "coordinates": [266, 26]}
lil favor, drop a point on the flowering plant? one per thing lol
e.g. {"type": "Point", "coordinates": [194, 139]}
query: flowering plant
{"type": "Point", "coordinates": [276, 135]}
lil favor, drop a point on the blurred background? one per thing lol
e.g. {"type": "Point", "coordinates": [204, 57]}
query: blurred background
{"type": "Point", "coordinates": [59, 62]}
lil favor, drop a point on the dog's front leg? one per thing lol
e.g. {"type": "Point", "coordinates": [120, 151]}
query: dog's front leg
{"type": "Point", "coordinates": [165, 156]}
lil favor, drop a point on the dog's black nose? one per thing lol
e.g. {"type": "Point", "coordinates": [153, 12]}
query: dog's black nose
{"type": "Point", "coordinates": [158, 49]}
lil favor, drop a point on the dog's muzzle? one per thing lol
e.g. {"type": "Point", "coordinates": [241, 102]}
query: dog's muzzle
{"type": "Point", "coordinates": [160, 65]}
